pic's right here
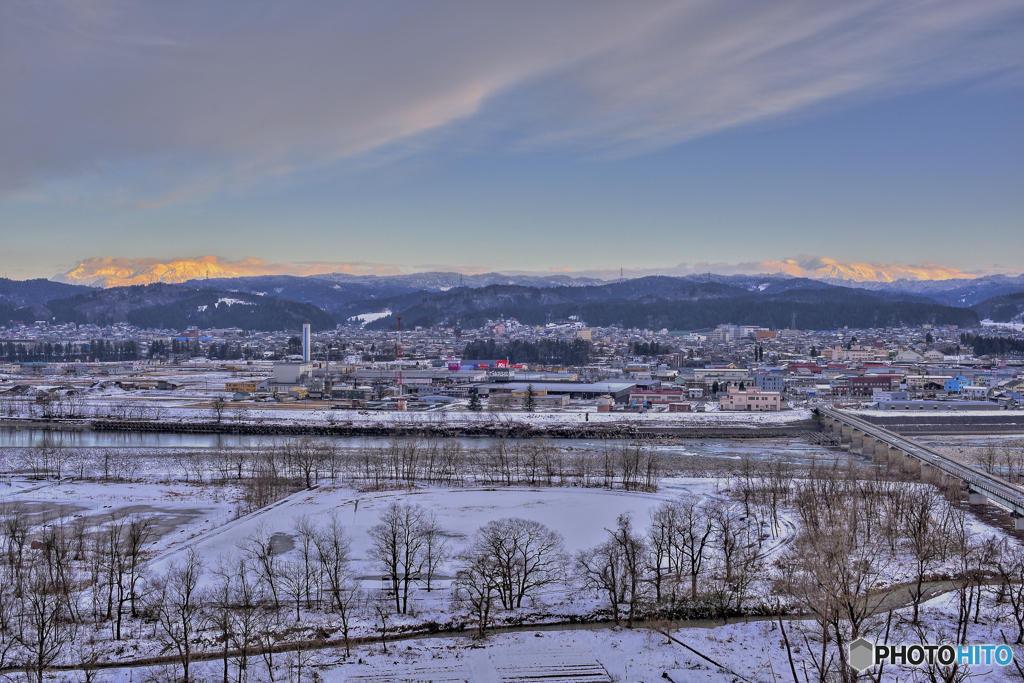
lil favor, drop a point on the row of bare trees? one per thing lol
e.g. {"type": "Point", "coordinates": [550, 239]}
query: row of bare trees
{"type": "Point", "coordinates": [857, 531]}
{"type": "Point", "coordinates": [399, 462]}
{"type": "Point", "coordinates": [57, 579]}
{"type": "Point", "coordinates": [1006, 462]}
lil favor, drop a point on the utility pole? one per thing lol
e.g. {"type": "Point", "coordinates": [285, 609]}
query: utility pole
{"type": "Point", "coordinates": [327, 373]}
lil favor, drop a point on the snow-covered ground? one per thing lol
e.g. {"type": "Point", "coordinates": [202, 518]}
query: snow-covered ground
{"type": "Point", "coordinates": [179, 512]}
{"type": "Point", "coordinates": [580, 515]}
{"type": "Point", "coordinates": [751, 651]}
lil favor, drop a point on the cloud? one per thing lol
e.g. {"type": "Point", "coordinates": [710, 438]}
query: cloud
{"type": "Point", "coordinates": [167, 101]}
{"type": "Point", "coordinates": [113, 271]}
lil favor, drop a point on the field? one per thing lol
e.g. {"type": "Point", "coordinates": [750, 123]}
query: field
{"type": "Point", "coordinates": [261, 572]}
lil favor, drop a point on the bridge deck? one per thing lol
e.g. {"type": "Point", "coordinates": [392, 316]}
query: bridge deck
{"type": "Point", "coordinates": [998, 491]}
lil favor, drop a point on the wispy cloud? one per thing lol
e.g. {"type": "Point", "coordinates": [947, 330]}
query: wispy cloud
{"type": "Point", "coordinates": [169, 101]}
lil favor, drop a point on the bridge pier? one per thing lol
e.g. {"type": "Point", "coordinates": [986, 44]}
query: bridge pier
{"type": "Point", "coordinates": [932, 474]}
{"type": "Point", "coordinates": [856, 441]}
{"type": "Point", "coordinates": [871, 446]}
{"type": "Point", "coordinates": [845, 437]}
{"type": "Point", "coordinates": [911, 465]}
{"type": "Point", "coordinates": [976, 497]}
{"type": "Point", "coordinates": [1018, 522]}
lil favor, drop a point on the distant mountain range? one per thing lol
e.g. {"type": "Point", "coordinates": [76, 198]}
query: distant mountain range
{"type": "Point", "coordinates": [175, 307]}
{"type": "Point", "coordinates": [675, 303]}
{"type": "Point", "coordinates": [122, 272]}
{"type": "Point", "coordinates": [283, 302]}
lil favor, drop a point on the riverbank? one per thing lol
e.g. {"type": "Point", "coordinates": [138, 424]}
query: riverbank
{"type": "Point", "coordinates": [569, 425]}
{"type": "Point", "coordinates": [503, 428]}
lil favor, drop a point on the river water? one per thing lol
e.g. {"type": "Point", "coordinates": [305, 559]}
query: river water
{"type": "Point", "coordinates": [793, 451]}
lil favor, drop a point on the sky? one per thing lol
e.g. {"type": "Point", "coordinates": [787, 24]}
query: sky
{"type": "Point", "coordinates": [511, 136]}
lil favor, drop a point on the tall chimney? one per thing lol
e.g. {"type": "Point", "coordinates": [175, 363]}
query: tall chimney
{"type": "Point", "coordinates": [305, 343]}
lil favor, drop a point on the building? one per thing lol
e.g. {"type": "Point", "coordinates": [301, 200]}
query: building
{"type": "Point", "coordinates": [518, 400]}
{"type": "Point", "coordinates": [974, 392]}
{"type": "Point", "coordinates": [866, 385]}
{"type": "Point", "coordinates": [888, 396]}
{"type": "Point", "coordinates": [855, 354]}
{"type": "Point", "coordinates": [248, 386]}
{"type": "Point", "coordinates": [752, 399]}
{"type": "Point", "coordinates": [574, 390]}
{"type": "Point", "coordinates": [770, 380]}
{"type": "Point", "coordinates": [936, 405]}
{"type": "Point", "coordinates": [292, 373]}
{"type": "Point", "coordinates": [955, 384]}
{"type": "Point", "coordinates": [909, 356]}
{"type": "Point", "coordinates": [656, 396]}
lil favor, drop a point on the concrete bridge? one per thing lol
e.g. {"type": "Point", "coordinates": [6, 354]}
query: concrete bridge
{"type": "Point", "coordinates": [860, 436]}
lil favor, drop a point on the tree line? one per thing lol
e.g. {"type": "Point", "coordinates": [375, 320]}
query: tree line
{"type": "Point", "coordinates": [992, 346]}
{"type": "Point", "coordinates": [95, 350]}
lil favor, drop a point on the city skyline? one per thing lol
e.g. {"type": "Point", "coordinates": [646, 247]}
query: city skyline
{"type": "Point", "coordinates": [515, 138]}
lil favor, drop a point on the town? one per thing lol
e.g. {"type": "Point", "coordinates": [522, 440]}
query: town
{"type": "Point", "coordinates": [506, 366]}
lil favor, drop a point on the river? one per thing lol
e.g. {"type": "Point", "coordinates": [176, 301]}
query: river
{"type": "Point", "coordinates": [793, 451]}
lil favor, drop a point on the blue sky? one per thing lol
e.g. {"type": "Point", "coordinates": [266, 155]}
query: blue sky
{"type": "Point", "coordinates": [513, 137]}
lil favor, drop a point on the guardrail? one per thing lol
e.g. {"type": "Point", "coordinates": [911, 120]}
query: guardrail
{"type": "Point", "coordinates": [1000, 492]}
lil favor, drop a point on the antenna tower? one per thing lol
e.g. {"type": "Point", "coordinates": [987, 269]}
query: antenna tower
{"type": "Point", "coordinates": [398, 357]}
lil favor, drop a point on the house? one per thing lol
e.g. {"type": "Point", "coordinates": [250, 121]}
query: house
{"type": "Point", "coordinates": [974, 392]}
{"type": "Point", "coordinates": [771, 380]}
{"type": "Point", "coordinates": [954, 384]}
{"type": "Point", "coordinates": [909, 356]}
{"type": "Point", "coordinates": [751, 399]}
{"type": "Point", "coordinates": [248, 386]}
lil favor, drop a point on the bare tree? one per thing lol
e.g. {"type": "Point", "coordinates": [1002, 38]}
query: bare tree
{"type": "Point", "coordinates": [925, 539]}
{"type": "Point", "coordinates": [1010, 563]}
{"type": "Point", "coordinates": [379, 608]}
{"type": "Point", "coordinates": [399, 548]}
{"type": "Point", "coordinates": [436, 548]}
{"type": "Point", "coordinates": [218, 407]}
{"type": "Point", "coordinates": [46, 626]}
{"type": "Point", "coordinates": [332, 550]}
{"type": "Point", "coordinates": [529, 557]}
{"type": "Point", "coordinates": [477, 585]}
{"type": "Point", "coordinates": [178, 609]}
{"type": "Point", "coordinates": [305, 532]}
{"type": "Point", "coordinates": [617, 568]}
{"type": "Point", "coordinates": [693, 537]}
{"type": "Point", "coordinates": [259, 548]}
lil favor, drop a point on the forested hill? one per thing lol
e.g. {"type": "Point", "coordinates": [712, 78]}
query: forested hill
{"type": "Point", "coordinates": [175, 307]}
{"type": "Point", "coordinates": [673, 303]}
{"type": "Point", "coordinates": [1005, 308]}
{"type": "Point", "coordinates": [690, 302]}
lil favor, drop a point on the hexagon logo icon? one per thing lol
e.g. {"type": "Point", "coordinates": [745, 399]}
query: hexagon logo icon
{"type": "Point", "coordinates": [862, 654]}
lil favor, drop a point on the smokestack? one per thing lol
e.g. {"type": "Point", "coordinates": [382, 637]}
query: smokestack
{"type": "Point", "coordinates": [305, 343]}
